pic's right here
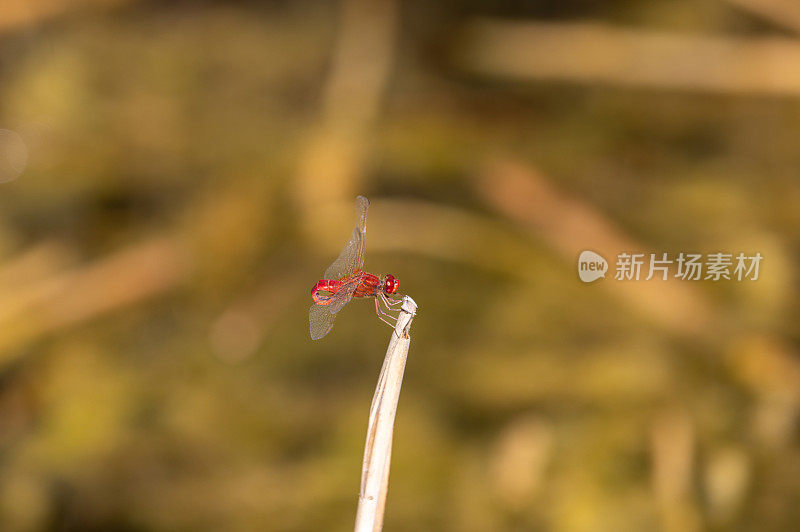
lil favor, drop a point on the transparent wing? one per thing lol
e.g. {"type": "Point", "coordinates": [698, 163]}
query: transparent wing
{"type": "Point", "coordinates": [345, 293]}
{"type": "Point", "coordinates": [351, 259]}
{"type": "Point", "coordinates": [320, 321]}
{"type": "Point", "coordinates": [343, 263]}
{"type": "Point", "coordinates": [320, 317]}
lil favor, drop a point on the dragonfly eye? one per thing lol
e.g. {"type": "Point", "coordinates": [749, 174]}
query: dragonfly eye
{"type": "Point", "coordinates": [390, 284]}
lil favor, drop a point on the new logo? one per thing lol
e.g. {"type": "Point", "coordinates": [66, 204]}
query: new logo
{"type": "Point", "coordinates": [591, 266]}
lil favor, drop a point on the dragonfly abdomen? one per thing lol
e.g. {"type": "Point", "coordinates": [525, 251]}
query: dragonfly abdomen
{"type": "Point", "coordinates": [325, 285]}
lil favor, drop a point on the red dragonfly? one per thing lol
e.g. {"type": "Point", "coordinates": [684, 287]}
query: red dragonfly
{"type": "Point", "coordinates": [346, 278]}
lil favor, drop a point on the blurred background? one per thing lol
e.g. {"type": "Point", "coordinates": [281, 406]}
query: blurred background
{"type": "Point", "coordinates": [177, 175]}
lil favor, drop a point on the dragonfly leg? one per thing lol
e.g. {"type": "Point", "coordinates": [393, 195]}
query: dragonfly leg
{"type": "Point", "coordinates": [387, 322]}
{"type": "Point", "coordinates": [381, 313]}
{"type": "Point", "coordinates": [389, 302]}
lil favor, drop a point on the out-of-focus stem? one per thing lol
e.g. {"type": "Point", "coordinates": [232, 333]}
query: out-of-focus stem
{"type": "Point", "coordinates": [601, 54]}
{"type": "Point", "coordinates": [785, 13]}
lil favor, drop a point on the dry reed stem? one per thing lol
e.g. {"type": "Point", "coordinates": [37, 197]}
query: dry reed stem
{"type": "Point", "coordinates": [336, 152]}
{"type": "Point", "coordinates": [570, 225]}
{"type": "Point", "coordinates": [378, 446]}
{"type": "Point", "coordinates": [599, 53]}
{"type": "Point", "coordinates": [785, 13]}
{"type": "Point", "coordinates": [67, 298]}
{"type": "Point", "coordinates": [21, 13]}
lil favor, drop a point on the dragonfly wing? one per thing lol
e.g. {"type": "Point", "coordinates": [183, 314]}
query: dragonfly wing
{"type": "Point", "coordinates": [349, 261]}
{"type": "Point", "coordinates": [320, 321]}
{"type": "Point", "coordinates": [362, 205]}
{"type": "Point", "coordinates": [341, 266]}
{"type": "Point", "coordinates": [344, 294]}
{"type": "Point", "coordinates": [320, 317]}
{"type": "Point", "coordinates": [351, 258]}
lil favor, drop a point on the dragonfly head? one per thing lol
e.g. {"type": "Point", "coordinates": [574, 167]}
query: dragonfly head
{"type": "Point", "coordinates": [390, 284]}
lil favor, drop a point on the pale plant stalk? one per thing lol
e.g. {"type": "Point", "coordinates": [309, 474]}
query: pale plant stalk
{"type": "Point", "coordinates": [378, 447]}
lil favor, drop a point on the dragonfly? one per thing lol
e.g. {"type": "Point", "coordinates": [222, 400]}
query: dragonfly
{"type": "Point", "coordinates": [346, 279]}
